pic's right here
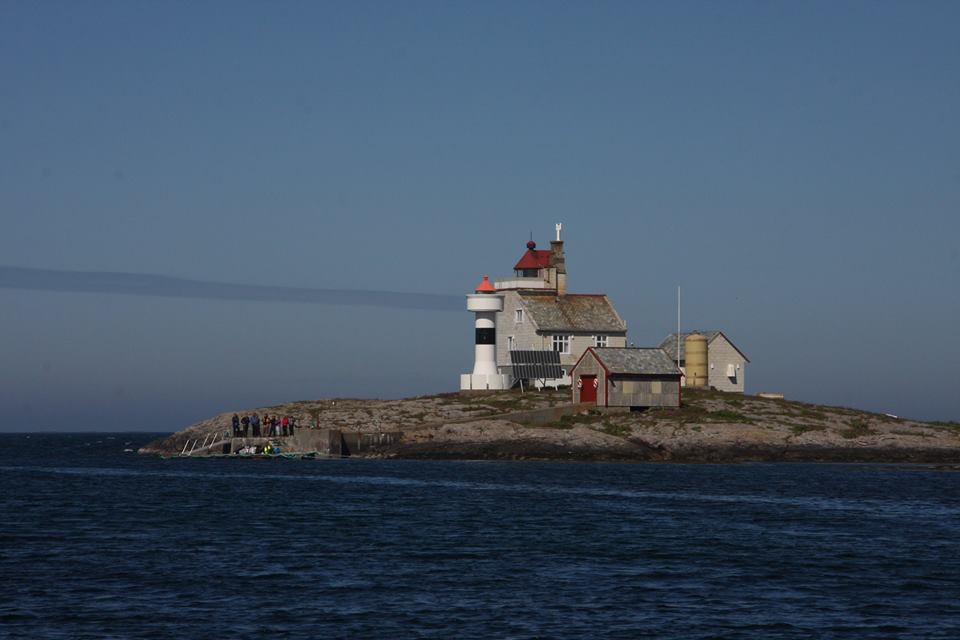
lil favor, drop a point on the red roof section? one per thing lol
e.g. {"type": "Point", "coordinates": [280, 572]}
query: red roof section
{"type": "Point", "coordinates": [485, 286]}
{"type": "Point", "coordinates": [534, 259]}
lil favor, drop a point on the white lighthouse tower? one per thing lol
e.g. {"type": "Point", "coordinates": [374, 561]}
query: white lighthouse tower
{"type": "Point", "coordinates": [486, 303]}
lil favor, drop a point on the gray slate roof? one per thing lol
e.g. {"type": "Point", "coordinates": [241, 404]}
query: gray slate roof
{"type": "Point", "coordinates": [572, 312]}
{"type": "Point", "coordinates": [669, 343]}
{"type": "Point", "coordinates": [651, 361]}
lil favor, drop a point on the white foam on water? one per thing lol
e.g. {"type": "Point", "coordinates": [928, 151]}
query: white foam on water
{"type": "Point", "coordinates": [873, 507]}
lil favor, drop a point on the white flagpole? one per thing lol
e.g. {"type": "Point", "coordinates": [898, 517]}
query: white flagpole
{"type": "Point", "coordinates": [678, 326]}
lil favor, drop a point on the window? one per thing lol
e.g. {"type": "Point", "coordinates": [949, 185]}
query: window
{"type": "Point", "coordinates": [599, 341]}
{"type": "Point", "coordinates": [561, 344]}
{"type": "Point", "coordinates": [510, 345]}
{"type": "Point", "coordinates": [518, 316]}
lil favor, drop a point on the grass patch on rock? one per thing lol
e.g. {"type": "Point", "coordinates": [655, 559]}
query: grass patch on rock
{"type": "Point", "coordinates": [799, 429]}
{"type": "Point", "coordinates": [915, 434]}
{"type": "Point", "coordinates": [614, 429]}
{"type": "Point", "coordinates": [686, 412]}
{"type": "Point", "coordinates": [474, 408]}
{"type": "Point", "coordinates": [857, 428]}
{"type": "Point", "coordinates": [810, 414]}
{"type": "Point", "coordinates": [947, 425]}
{"type": "Point", "coordinates": [724, 415]}
{"type": "Point", "coordinates": [570, 421]}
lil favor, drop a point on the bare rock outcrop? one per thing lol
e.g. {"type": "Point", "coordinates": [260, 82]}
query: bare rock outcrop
{"type": "Point", "coordinates": [709, 427]}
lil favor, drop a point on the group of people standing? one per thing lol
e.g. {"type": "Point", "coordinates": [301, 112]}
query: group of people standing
{"type": "Point", "coordinates": [276, 426]}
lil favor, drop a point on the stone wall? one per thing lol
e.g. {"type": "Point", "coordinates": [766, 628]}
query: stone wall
{"type": "Point", "coordinates": [527, 336]}
{"type": "Point", "coordinates": [524, 333]}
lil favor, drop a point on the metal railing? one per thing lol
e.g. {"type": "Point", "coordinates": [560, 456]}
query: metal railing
{"type": "Point", "coordinates": [210, 437]}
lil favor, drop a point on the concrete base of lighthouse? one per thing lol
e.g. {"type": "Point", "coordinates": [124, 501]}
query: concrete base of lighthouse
{"type": "Point", "coordinates": [480, 381]}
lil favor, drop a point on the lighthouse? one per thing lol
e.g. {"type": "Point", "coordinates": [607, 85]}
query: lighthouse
{"type": "Point", "coordinates": [485, 303]}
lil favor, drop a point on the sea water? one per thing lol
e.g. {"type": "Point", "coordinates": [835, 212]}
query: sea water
{"type": "Point", "coordinates": [98, 542]}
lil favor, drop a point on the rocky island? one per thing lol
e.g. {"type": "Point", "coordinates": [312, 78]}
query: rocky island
{"type": "Point", "coordinates": [709, 426]}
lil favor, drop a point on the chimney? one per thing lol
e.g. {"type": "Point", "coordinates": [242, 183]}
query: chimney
{"type": "Point", "coordinates": [558, 262]}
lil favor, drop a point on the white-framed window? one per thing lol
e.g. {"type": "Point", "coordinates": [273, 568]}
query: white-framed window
{"type": "Point", "coordinates": [518, 316]}
{"type": "Point", "coordinates": [599, 341]}
{"type": "Point", "coordinates": [561, 343]}
{"type": "Point", "coordinates": [510, 344]}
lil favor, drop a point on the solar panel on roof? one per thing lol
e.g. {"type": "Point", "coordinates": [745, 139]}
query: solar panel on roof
{"type": "Point", "coordinates": [543, 365]}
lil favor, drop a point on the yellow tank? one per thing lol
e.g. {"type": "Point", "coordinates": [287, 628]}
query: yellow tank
{"type": "Point", "coordinates": [695, 348]}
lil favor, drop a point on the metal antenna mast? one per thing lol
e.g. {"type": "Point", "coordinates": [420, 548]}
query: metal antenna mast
{"type": "Point", "coordinates": [678, 326]}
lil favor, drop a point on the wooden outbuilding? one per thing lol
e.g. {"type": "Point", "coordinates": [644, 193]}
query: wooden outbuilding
{"type": "Point", "coordinates": [626, 377]}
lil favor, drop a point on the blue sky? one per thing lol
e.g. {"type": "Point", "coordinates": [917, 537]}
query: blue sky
{"type": "Point", "coordinates": [793, 166]}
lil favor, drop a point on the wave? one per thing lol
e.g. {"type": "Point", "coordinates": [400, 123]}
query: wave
{"type": "Point", "coordinates": [891, 508]}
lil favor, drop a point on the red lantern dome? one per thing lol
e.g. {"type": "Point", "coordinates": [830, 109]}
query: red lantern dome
{"type": "Point", "coordinates": [485, 286]}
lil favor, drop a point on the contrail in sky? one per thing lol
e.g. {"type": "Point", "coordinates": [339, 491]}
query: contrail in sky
{"type": "Point", "coordinates": [142, 284]}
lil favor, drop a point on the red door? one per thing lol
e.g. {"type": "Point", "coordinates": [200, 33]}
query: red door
{"type": "Point", "coordinates": [588, 389]}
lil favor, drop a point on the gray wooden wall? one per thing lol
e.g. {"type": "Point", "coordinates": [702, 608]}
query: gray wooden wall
{"type": "Point", "coordinates": [721, 353]}
{"type": "Point", "coordinates": [659, 391]}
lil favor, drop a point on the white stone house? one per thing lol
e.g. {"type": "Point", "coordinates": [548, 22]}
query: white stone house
{"type": "Point", "coordinates": [539, 314]}
{"type": "Point", "coordinates": [726, 364]}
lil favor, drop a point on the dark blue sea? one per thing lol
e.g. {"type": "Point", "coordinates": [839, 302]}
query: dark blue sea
{"type": "Point", "coordinates": [96, 542]}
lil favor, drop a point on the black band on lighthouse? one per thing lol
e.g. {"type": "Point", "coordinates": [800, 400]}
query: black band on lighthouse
{"type": "Point", "coordinates": [486, 336]}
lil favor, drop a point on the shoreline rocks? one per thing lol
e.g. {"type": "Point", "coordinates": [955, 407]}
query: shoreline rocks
{"type": "Point", "coordinates": [711, 427]}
